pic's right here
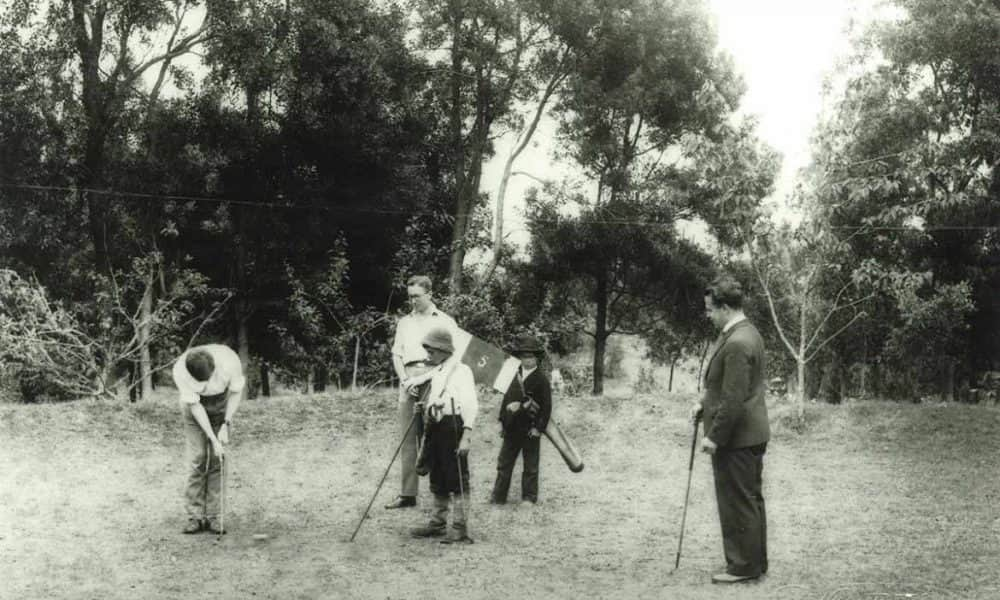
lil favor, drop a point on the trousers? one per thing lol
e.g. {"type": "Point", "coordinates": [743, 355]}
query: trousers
{"type": "Point", "coordinates": [514, 443]}
{"type": "Point", "coordinates": [738, 474]}
{"type": "Point", "coordinates": [204, 483]}
{"type": "Point", "coordinates": [408, 453]}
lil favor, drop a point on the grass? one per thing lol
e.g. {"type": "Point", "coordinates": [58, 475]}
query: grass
{"type": "Point", "coordinates": [866, 500]}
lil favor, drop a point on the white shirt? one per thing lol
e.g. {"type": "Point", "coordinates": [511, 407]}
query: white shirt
{"type": "Point", "coordinates": [411, 330]}
{"type": "Point", "coordinates": [227, 376]}
{"type": "Point", "coordinates": [523, 373]}
{"type": "Point", "coordinates": [456, 384]}
{"type": "Point", "coordinates": [735, 320]}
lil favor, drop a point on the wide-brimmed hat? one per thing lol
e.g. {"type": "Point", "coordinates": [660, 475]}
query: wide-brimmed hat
{"type": "Point", "coordinates": [525, 343]}
{"type": "Point", "coordinates": [440, 339]}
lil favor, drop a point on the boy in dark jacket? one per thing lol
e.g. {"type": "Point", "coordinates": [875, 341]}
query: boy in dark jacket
{"type": "Point", "coordinates": [524, 415]}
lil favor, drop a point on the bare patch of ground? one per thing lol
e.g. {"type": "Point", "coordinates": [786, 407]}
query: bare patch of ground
{"type": "Point", "coordinates": [869, 501]}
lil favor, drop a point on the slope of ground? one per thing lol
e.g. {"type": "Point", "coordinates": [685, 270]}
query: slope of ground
{"type": "Point", "coordinates": [868, 501]}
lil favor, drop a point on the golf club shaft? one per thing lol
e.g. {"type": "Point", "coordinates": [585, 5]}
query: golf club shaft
{"type": "Point", "coordinates": [413, 420]}
{"type": "Point", "coordinates": [458, 458]}
{"type": "Point", "coordinates": [687, 493]}
{"type": "Point", "coordinates": [222, 481]}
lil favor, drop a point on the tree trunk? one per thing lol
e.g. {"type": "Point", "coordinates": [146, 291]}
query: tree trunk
{"type": "Point", "coordinates": [357, 353]}
{"type": "Point", "coordinates": [801, 358]}
{"type": "Point", "coordinates": [321, 379]}
{"type": "Point", "coordinates": [864, 370]}
{"type": "Point", "coordinates": [97, 210]}
{"type": "Point", "coordinates": [145, 326]}
{"type": "Point", "coordinates": [455, 125]}
{"type": "Point", "coordinates": [801, 382]}
{"type": "Point", "coordinates": [670, 382]}
{"type": "Point", "coordinates": [701, 364]}
{"type": "Point", "coordinates": [265, 380]}
{"type": "Point", "coordinates": [133, 389]}
{"type": "Point", "coordinates": [600, 333]}
{"type": "Point", "coordinates": [948, 382]}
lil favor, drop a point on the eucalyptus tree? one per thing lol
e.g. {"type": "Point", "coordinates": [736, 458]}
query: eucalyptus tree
{"type": "Point", "coordinates": [907, 164]}
{"type": "Point", "coordinates": [647, 80]}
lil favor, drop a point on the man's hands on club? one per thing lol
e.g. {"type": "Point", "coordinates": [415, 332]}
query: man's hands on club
{"type": "Point", "coordinates": [696, 412]}
{"type": "Point", "coordinates": [463, 445]}
{"type": "Point", "coordinates": [418, 408]}
{"type": "Point", "coordinates": [217, 448]}
{"type": "Point", "coordinates": [708, 446]}
{"type": "Point", "coordinates": [514, 407]}
{"type": "Point", "coordinates": [224, 434]}
{"type": "Point", "coordinates": [533, 433]}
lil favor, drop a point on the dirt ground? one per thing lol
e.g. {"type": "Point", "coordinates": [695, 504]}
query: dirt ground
{"type": "Point", "coordinates": [869, 501]}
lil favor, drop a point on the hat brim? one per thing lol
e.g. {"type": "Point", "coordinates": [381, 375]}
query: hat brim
{"type": "Point", "coordinates": [525, 350]}
{"type": "Point", "coordinates": [449, 349]}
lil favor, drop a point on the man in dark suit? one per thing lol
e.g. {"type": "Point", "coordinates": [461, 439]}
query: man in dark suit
{"type": "Point", "coordinates": [736, 431]}
{"type": "Point", "coordinates": [524, 415]}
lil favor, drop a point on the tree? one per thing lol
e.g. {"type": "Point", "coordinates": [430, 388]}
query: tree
{"type": "Point", "coordinates": [633, 275]}
{"type": "Point", "coordinates": [495, 52]}
{"type": "Point", "coordinates": [649, 80]}
{"type": "Point", "coordinates": [906, 163]}
{"type": "Point", "coordinates": [792, 266]}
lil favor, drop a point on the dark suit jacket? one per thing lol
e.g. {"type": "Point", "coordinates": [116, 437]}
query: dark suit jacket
{"type": "Point", "coordinates": [734, 412]}
{"type": "Point", "coordinates": [536, 386]}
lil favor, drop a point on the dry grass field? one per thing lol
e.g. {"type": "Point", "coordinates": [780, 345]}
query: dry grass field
{"type": "Point", "coordinates": [868, 500]}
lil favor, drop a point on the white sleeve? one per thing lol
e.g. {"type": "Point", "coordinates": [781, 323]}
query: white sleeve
{"type": "Point", "coordinates": [234, 370]}
{"type": "Point", "coordinates": [182, 379]}
{"type": "Point", "coordinates": [397, 341]}
{"type": "Point", "coordinates": [466, 388]}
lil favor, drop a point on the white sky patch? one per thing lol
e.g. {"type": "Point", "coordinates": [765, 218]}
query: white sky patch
{"type": "Point", "coordinates": [783, 48]}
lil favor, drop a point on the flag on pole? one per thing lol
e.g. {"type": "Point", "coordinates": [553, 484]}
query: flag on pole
{"type": "Point", "coordinates": [490, 365]}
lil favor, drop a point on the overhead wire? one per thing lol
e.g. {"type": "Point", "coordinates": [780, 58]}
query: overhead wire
{"type": "Point", "coordinates": [135, 196]}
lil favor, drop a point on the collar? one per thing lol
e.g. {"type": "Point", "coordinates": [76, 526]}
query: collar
{"type": "Point", "coordinates": [433, 312]}
{"type": "Point", "coordinates": [733, 322]}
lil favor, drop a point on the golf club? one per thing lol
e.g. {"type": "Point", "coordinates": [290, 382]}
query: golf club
{"type": "Point", "coordinates": [222, 501]}
{"type": "Point", "coordinates": [413, 420]}
{"type": "Point", "coordinates": [687, 492]}
{"type": "Point", "coordinates": [461, 485]}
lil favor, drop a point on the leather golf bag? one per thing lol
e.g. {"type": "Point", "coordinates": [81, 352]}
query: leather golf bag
{"type": "Point", "coordinates": [565, 447]}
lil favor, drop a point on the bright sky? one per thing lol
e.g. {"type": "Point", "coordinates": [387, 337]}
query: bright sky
{"type": "Point", "coordinates": [783, 48]}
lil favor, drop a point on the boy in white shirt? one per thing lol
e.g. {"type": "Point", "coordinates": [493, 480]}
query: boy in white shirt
{"type": "Point", "coordinates": [449, 414]}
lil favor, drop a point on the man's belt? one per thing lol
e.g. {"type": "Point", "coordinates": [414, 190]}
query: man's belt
{"type": "Point", "coordinates": [416, 363]}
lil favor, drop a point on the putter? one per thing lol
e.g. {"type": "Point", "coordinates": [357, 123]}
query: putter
{"type": "Point", "coordinates": [461, 485]}
{"type": "Point", "coordinates": [687, 493]}
{"type": "Point", "coordinates": [222, 502]}
{"type": "Point", "coordinates": [413, 420]}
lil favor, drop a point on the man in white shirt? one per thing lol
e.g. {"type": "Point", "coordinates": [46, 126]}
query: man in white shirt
{"type": "Point", "coordinates": [451, 410]}
{"type": "Point", "coordinates": [410, 361]}
{"type": "Point", "coordinates": [210, 384]}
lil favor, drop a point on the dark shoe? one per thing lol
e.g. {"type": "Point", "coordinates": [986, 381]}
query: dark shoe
{"type": "Point", "coordinates": [427, 531]}
{"type": "Point", "coordinates": [727, 578]}
{"type": "Point", "coordinates": [215, 527]}
{"type": "Point", "coordinates": [494, 500]}
{"type": "Point", "coordinates": [402, 502]}
{"type": "Point", "coordinates": [193, 526]}
{"type": "Point", "coordinates": [456, 537]}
